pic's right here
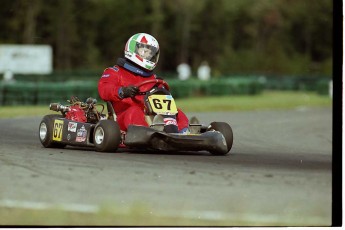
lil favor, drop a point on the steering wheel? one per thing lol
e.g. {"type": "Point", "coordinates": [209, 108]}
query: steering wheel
{"type": "Point", "coordinates": [155, 81]}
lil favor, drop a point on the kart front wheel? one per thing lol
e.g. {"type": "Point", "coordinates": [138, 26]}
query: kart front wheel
{"type": "Point", "coordinates": [225, 129]}
{"type": "Point", "coordinates": [107, 136]}
{"type": "Point", "coordinates": [46, 131]}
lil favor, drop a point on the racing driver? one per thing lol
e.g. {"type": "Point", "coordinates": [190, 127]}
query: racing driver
{"type": "Point", "coordinates": [117, 84]}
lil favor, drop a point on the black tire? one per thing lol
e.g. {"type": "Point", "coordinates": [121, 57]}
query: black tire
{"type": "Point", "coordinates": [107, 136]}
{"type": "Point", "coordinates": [225, 129]}
{"type": "Point", "coordinates": [45, 131]}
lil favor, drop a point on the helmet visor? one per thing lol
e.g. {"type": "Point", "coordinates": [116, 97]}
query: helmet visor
{"type": "Point", "coordinates": [147, 52]}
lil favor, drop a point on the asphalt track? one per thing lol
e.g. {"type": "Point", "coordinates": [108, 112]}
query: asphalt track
{"type": "Point", "coordinates": [279, 172]}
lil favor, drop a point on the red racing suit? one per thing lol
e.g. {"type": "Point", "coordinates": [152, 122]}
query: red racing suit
{"type": "Point", "coordinates": [129, 111]}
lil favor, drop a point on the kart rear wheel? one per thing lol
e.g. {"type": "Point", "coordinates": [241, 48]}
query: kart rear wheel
{"type": "Point", "coordinates": [107, 136]}
{"type": "Point", "coordinates": [225, 129]}
{"type": "Point", "coordinates": [46, 131]}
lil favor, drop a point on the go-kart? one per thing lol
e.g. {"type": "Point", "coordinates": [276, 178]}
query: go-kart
{"type": "Point", "coordinates": [85, 124]}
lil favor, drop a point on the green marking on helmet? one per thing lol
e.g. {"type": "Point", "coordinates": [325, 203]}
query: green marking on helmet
{"type": "Point", "coordinates": [131, 46]}
{"type": "Point", "coordinates": [135, 36]}
{"type": "Point", "coordinates": [132, 43]}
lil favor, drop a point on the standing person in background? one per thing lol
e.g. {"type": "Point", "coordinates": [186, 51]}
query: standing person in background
{"type": "Point", "coordinates": [204, 71]}
{"type": "Point", "coordinates": [117, 84]}
{"type": "Point", "coordinates": [183, 71]}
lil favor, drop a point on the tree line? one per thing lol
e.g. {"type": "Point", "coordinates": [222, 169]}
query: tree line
{"type": "Point", "coordinates": [233, 36]}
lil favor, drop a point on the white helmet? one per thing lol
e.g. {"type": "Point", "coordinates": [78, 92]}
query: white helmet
{"type": "Point", "coordinates": [143, 49]}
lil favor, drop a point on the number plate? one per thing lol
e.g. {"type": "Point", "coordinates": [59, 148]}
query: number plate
{"type": "Point", "coordinates": [163, 104]}
{"type": "Point", "coordinates": [57, 131]}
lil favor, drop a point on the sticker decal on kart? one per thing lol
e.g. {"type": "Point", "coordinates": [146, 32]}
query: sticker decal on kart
{"type": "Point", "coordinates": [72, 127]}
{"type": "Point", "coordinates": [81, 134]}
{"type": "Point", "coordinates": [57, 131]}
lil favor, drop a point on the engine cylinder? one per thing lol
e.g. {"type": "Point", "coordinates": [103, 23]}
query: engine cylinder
{"type": "Point", "coordinates": [58, 107]}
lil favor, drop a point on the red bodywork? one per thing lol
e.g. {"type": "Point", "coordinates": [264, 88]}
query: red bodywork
{"type": "Point", "coordinates": [76, 114]}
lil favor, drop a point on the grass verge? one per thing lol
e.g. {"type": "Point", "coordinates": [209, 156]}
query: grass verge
{"type": "Point", "coordinates": [266, 100]}
{"type": "Point", "coordinates": [136, 217]}
{"type": "Point", "coordinates": [104, 217]}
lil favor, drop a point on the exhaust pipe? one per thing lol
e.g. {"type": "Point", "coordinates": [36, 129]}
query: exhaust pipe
{"type": "Point", "coordinates": [58, 107]}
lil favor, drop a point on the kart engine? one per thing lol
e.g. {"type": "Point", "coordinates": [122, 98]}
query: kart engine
{"type": "Point", "coordinates": [79, 111]}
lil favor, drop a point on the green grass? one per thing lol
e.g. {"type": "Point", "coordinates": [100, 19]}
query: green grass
{"type": "Point", "coordinates": [264, 101]}
{"type": "Point", "coordinates": [136, 216]}
{"type": "Point", "coordinates": [104, 217]}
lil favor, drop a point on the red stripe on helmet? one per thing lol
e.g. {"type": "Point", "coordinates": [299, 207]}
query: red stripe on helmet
{"type": "Point", "coordinates": [140, 58]}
